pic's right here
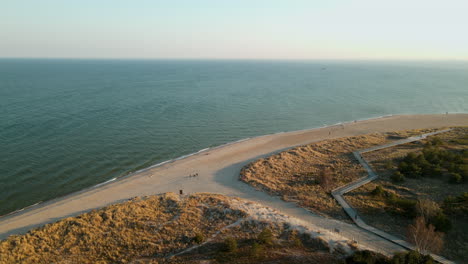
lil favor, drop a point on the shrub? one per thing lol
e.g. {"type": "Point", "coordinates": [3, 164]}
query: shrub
{"type": "Point", "coordinates": [411, 257]}
{"type": "Point", "coordinates": [256, 250]}
{"type": "Point", "coordinates": [389, 165]}
{"type": "Point", "coordinates": [366, 257]}
{"type": "Point", "coordinates": [407, 205]}
{"type": "Point", "coordinates": [397, 177]}
{"type": "Point", "coordinates": [463, 171]}
{"type": "Point", "coordinates": [199, 238]}
{"type": "Point", "coordinates": [434, 171]}
{"type": "Point", "coordinates": [436, 141]}
{"type": "Point", "coordinates": [414, 171]}
{"type": "Point", "coordinates": [456, 205]}
{"type": "Point", "coordinates": [295, 240]}
{"type": "Point", "coordinates": [230, 245]}
{"type": "Point", "coordinates": [441, 222]}
{"type": "Point", "coordinates": [455, 178]}
{"type": "Point", "coordinates": [265, 237]}
{"type": "Point", "coordinates": [378, 191]}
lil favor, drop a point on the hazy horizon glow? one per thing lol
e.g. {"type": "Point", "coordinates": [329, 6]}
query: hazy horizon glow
{"type": "Point", "coordinates": [218, 29]}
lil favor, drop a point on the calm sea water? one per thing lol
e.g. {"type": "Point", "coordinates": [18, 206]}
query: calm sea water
{"type": "Point", "coordinates": [70, 124]}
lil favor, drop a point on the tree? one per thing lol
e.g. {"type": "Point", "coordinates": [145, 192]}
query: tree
{"type": "Point", "coordinates": [427, 208]}
{"type": "Point", "coordinates": [265, 237]}
{"type": "Point", "coordinates": [424, 237]}
{"type": "Point", "coordinates": [230, 245]}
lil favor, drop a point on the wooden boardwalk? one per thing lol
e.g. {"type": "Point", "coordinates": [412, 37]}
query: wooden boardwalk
{"type": "Point", "coordinates": [352, 213]}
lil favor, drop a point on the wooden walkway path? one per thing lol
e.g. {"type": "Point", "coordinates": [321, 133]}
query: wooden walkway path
{"type": "Point", "coordinates": [352, 213]}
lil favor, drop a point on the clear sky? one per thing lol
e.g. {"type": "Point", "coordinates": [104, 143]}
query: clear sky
{"type": "Point", "coordinates": [256, 29]}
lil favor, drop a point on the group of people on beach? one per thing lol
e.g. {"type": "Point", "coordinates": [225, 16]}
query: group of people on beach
{"type": "Point", "coordinates": [193, 175]}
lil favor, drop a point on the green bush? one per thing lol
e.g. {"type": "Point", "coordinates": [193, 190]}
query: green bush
{"type": "Point", "coordinates": [389, 164]}
{"type": "Point", "coordinates": [407, 205]}
{"type": "Point", "coordinates": [456, 205]}
{"type": "Point", "coordinates": [433, 162]}
{"type": "Point", "coordinates": [265, 237]}
{"type": "Point", "coordinates": [366, 257]}
{"type": "Point", "coordinates": [230, 245]}
{"type": "Point", "coordinates": [435, 141]}
{"type": "Point", "coordinates": [411, 257]}
{"type": "Point", "coordinates": [441, 222]}
{"type": "Point", "coordinates": [256, 250]}
{"type": "Point", "coordinates": [455, 178]}
{"type": "Point", "coordinates": [378, 191]}
{"type": "Point", "coordinates": [434, 171]}
{"type": "Point", "coordinates": [369, 257]}
{"type": "Point", "coordinates": [199, 238]}
{"type": "Point", "coordinates": [397, 177]}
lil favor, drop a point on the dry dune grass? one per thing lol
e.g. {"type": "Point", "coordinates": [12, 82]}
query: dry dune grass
{"type": "Point", "coordinates": [162, 229]}
{"type": "Point", "coordinates": [144, 227]}
{"type": "Point", "coordinates": [294, 174]}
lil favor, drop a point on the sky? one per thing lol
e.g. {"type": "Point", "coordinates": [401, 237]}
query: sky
{"type": "Point", "coordinates": [235, 29]}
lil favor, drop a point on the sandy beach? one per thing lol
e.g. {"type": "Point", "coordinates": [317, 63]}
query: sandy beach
{"type": "Point", "coordinates": [218, 172]}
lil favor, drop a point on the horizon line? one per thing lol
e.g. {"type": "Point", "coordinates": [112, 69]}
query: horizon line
{"type": "Point", "coordinates": [238, 59]}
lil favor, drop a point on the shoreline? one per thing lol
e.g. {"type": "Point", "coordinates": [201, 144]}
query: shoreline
{"type": "Point", "coordinates": [192, 154]}
{"type": "Point", "coordinates": [195, 153]}
{"type": "Point", "coordinates": [218, 170]}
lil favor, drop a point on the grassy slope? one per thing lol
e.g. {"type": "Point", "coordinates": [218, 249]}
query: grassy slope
{"type": "Point", "coordinates": [293, 174]}
{"type": "Point", "coordinates": [155, 229]}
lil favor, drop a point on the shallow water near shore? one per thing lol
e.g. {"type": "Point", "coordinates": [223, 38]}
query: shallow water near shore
{"type": "Point", "coordinates": [69, 124]}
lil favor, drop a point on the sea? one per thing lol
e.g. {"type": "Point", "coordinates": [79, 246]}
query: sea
{"type": "Point", "coordinates": [69, 124]}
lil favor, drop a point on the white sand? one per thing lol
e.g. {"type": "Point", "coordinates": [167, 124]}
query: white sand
{"type": "Point", "coordinates": [218, 171]}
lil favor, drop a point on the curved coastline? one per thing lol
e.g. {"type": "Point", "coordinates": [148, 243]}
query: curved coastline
{"type": "Point", "coordinates": [186, 156]}
{"type": "Point", "coordinates": [125, 176]}
{"type": "Point", "coordinates": [218, 166]}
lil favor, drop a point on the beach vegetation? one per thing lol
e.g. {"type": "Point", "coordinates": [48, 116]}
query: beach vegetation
{"type": "Point", "coordinates": [456, 206]}
{"type": "Point", "coordinates": [257, 250]}
{"type": "Point", "coordinates": [370, 257]}
{"type": "Point", "coordinates": [230, 245]}
{"type": "Point", "coordinates": [435, 162]}
{"type": "Point", "coordinates": [378, 191]}
{"type": "Point", "coordinates": [265, 237]}
{"type": "Point", "coordinates": [397, 177]}
{"type": "Point", "coordinates": [199, 238]}
{"type": "Point", "coordinates": [424, 236]}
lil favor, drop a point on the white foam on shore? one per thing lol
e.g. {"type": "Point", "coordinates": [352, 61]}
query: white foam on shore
{"type": "Point", "coordinates": [213, 148]}
{"type": "Point", "coordinates": [22, 209]}
{"type": "Point", "coordinates": [100, 184]}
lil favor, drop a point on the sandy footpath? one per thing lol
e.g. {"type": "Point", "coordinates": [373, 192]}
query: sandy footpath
{"type": "Point", "coordinates": [218, 171]}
